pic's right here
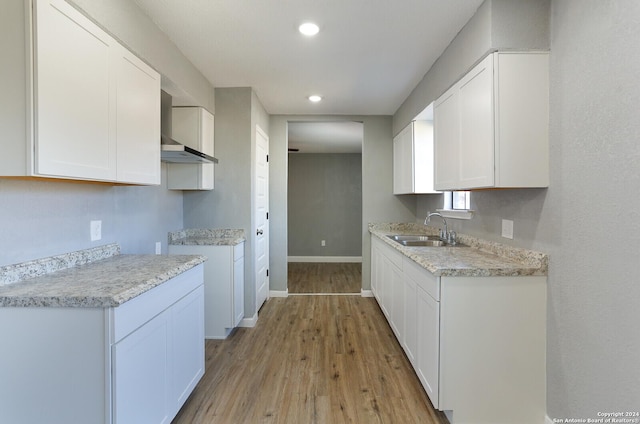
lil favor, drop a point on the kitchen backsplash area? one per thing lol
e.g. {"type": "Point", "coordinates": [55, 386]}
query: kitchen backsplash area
{"type": "Point", "coordinates": [48, 218]}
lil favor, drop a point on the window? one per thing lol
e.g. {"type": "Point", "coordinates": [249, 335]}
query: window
{"type": "Point", "coordinates": [457, 200]}
{"type": "Point", "coordinates": [457, 204]}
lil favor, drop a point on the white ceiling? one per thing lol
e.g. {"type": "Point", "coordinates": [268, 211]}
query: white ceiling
{"type": "Point", "coordinates": [366, 60]}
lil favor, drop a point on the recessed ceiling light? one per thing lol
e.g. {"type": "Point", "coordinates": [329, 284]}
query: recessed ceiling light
{"type": "Point", "coordinates": [314, 98]}
{"type": "Point", "coordinates": [309, 28]}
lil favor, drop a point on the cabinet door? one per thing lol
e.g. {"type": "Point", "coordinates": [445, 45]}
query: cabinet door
{"type": "Point", "coordinates": [423, 163]}
{"type": "Point", "coordinates": [397, 308]}
{"type": "Point", "coordinates": [386, 288]}
{"type": "Point", "coordinates": [238, 291]}
{"type": "Point", "coordinates": [410, 342]}
{"type": "Point", "coordinates": [138, 120]}
{"type": "Point", "coordinates": [446, 115]}
{"type": "Point", "coordinates": [403, 161]}
{"type": "Point", "coordinates": [74, 96]}
{"type": "Point", "coordinates": [476, 154]}
{"type": "Point", "coordinates": [376, 271]}
{"type": "Point", "coordinates": [141, 370]}
{"type": "Point", "coordinates": [187, 346]}
{"type": "Point", "coordinates": [428, 354]}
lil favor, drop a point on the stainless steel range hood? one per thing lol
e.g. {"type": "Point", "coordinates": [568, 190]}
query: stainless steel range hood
{"type": "Point", "coordinates": [171, 150]}
{"type": "Point", "coordinates": [174, 152]}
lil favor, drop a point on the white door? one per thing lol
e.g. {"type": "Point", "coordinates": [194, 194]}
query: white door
{"type": "Point", "coordinates": [261, 201]}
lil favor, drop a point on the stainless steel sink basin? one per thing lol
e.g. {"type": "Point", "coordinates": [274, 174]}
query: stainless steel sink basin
{"type": "Point", "coordinates": [418, 240]}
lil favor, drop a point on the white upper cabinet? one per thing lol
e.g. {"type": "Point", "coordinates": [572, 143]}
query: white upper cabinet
{"type": "Point", "coordinates": [73, 93]}
{"type": "Point", "coordinates": [95, 106]}
{"type": "Point", "coordinates": [193, 127]}
{"type": "Point", "coordinates": [138, 121]}
{"type": "Point", "coordinates": [413, 159]}
{"type": "Point", "coordinates": [491, 127]}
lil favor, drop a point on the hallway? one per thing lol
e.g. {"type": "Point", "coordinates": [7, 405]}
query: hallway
{"type": "Point", "coordinates": [311, 277]}
{"type": "Point", "coordinates": [310, 359]}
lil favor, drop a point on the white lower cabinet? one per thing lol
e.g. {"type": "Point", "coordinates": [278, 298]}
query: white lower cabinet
{"type": "Point", "coordinates": [135, 363]}
{"type": "Point", "coordinates": [410, 340]}
{"type": "Point", "coordinates": [224, 285]}
{"type": "Point", "coordinates": [141, 374]}
{"type": "Point", "coordinates": [389, 288]}
{"type": "Point", "coordinates": [427, 362]}
{"type": "Point", "coordinates": [157, 365]}
{"type": "Point", "coordinates": [477, 344]}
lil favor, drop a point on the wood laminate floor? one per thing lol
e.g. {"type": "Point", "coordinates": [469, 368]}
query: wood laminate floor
{"type": "Point", "coordinates": [310, 359]}
{"type": "Point", "coordinates": [307, 277]}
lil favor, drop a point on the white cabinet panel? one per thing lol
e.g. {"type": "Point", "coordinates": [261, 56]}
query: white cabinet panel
{"type": "Point", "coordinates": [403, 161]}
{"type": "Point", "coordinates": [193, 127]}
{"type": "Point", "coordinates": [413, 159]}
{"type": "Point", "coordinates": [376, 270]}
{"type": "Point", "coordinates": [138, 121]}
{"type": "Point", "coordinates": [447, 136]}
{"type": "Point", "coordinates": [428, 354]}
{"type": "Point", "coordinates": [238, 289]}
{"type": "Point", "coordinates": [187, 333]}
{"type": "Point", "coordinates": [93, 107]}
{"type": "Point", "coordinates": [491, 127]}
{"type": "Point", "coordinates": [476, 154]}
{"type": "Point", "coordinates": [73, 95]}
{"type": "Point", "coordinates": [141, 372]}
{"type": "Point", "coordinates": [224, 286]}
{"type": "Point", "coordinates": [397, 300]}
{"type": "Point", "coordinates": [410, 341]}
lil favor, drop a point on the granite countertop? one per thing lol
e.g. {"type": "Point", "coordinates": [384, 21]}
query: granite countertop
{"type": "Point", "coordinates": [207, 237]}
{"type": "Point", "coordinates": [476, 258]}
{"type": "Point", "coordinates": [102, 278]}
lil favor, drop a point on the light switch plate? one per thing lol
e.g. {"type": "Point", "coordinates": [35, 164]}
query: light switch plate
{"type": "Point", "coordinates": [507, 229]}
{"type": "Point", "coordinates": [96, 230]}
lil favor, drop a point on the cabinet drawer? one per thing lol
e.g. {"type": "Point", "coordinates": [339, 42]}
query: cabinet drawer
{"type": "Point", "coordinates": [423, 278]}
{"type": "Point", "coordinates": [131, 315]}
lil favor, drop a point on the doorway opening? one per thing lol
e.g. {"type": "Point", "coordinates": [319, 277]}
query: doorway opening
{"type": "Point", "coordinates": [325, 207]}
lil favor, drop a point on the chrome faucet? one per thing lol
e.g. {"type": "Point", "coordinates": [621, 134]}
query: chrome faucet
{"type": "Point", "coordinates": [445, 234]}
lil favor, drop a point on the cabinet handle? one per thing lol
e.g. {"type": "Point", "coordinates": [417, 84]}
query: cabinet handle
{"type": "Point", "coordinates": [259, 232]}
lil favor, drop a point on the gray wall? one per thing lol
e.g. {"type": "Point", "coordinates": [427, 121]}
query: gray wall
{"type": "Point", "coordinates": [46, 218]}
{"type": "Point", "coordinates": [325, 203]}
{"type": "Point", "coordinates": [41, 219]}
{"type": "Point", "coordinates": [378, 202]}
{"type": "Point", "coordinates": [498, 24]}
{"type": "Point", "coordinates": [229, 205]}
{"type": "Point", "coordinates": [587, 220]}
{"type": "Point", "coordinates": [125, 21]}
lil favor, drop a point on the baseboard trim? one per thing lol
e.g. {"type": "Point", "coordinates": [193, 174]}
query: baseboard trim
{"type": "Point", "coordinates": [249, 322]}
{"type": "Point", "coordinates": [321, 259]}
{"type": "Point", "coordinates": [279, 293]}
{"type": "Point", "coordinates": [366, 293]}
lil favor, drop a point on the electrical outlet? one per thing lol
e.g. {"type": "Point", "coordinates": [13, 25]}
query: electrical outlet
{"type": "Point", "coordinates": [323, 243]}
{"type": "Point", "coordinates": [507, 229]}
{"type": "Point", "coordinates": [158, 248]}
{"type": "Point", "coordinates": [96, 230]}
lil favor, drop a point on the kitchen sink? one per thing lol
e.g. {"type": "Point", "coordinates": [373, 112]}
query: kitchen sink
{"type": "Point", "coordinates": [419, 240]}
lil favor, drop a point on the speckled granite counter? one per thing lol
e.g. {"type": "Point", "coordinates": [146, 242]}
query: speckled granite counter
{"type": "Point", "coordinates": [477, 258]}
{"type": "Point", "coordinates": [92, 278]}
{"type": "Point", "coordinates": [207, 237]}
